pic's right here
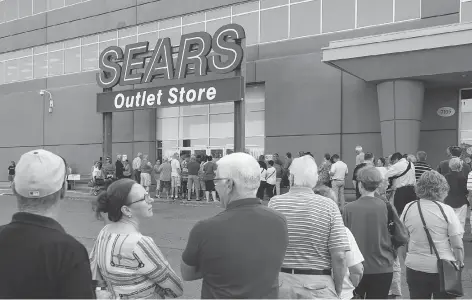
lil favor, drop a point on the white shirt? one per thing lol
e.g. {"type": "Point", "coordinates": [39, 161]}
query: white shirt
{"type": "Point", "coordinates": [397, 169]}
{"type": "Point", "coordinates": [339, 170]}
{"type": "Point", "coordinates": [137, 163]}
{"type": "Point", "coordinates": [353, 258]}
{"type": "Point", "coordinates": [271, 175]}
{"type": "Point", "coordinates": [263, 174]}
{"type": "Point", "coordinates": [383, 171]}
{"type": "Point", "coordinates": [419, 256]}
{"type": "Point", "coordinates": [175, 164]}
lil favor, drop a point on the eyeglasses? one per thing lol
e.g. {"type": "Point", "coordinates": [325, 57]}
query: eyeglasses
{"type": "Point", "coordinates": [146, 198]}
{"type": "Point", "coordinates": [218, 179]}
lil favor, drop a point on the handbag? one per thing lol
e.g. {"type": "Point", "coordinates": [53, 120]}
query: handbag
{"type": "Point", "coordinates": [450, 273]}
{"type": "Point", "coordinates": [398, 233]}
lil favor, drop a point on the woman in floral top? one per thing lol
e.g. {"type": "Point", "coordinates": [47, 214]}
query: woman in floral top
{"type": "Point", "coordinates": [323, 171]}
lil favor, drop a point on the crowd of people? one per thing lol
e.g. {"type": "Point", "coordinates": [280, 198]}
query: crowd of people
{"type": "Point", "coordinates": [307, 243]}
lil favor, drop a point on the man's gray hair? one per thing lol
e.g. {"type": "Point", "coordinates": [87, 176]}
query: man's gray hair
{"type": "Point", "coordinates": [421, 156]}
{"type": "Point", "coordinates": [304, 171]}
{"type": "Point", "coordinates": [243, 169]}
{"type": "Point", "coordinates": [455, 164]}
{"type": "Point", "coordinates": [411, 158]}
{"type": "Point", "coordinates": [37, 205]}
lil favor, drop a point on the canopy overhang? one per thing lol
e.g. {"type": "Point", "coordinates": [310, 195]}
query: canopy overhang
{"type": "Point", "coordinates": [425, 53]}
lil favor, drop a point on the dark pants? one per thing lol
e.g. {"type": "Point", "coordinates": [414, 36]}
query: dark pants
{"type": "Point", "coordinates": [424, 285]}
{"type": "Point", "coordinates": [374, 286]}
{"type": "Point", "coordinates": [402, 197]}
{"type": "Point", "coordinates": [137, 176]}
{"type": "Point", "coordinates": [270, 190]}
{"type": "Point", "coordinates": [260, 190]}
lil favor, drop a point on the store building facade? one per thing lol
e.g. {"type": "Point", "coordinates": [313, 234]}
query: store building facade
{"type": "Point", "coordinates": [322, 76]}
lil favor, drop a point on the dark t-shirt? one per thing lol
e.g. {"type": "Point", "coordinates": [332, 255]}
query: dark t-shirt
{"type": "Point", "coordinates": [443, 168]}
{"type": "Point", "coordinates": [193, 168]}
{"type": "Point", "coordinates": [457, 196]}
{"type": "Point", "coordinates": [354, 177]}
{"type": "Point", "coordinates": [239, 251]}
{"type": "Point", "coordinates": [11, 170]}
{"type": "Point", "coordinates": [209, 170]}
{"type": "Point", "coordinates": [39, 260]}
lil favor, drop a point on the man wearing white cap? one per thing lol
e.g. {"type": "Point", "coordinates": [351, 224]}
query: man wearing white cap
{"type": "Point", "coordinates": [38, 259]}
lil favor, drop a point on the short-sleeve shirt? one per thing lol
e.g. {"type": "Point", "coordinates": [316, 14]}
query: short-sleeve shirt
{"type": "Point", "coordinates": [193, 168]}
{"type": "Point", "coordinates": [175, 164]}
{"type": "Point", "coordinates": [419, 256]}
{"type": "Point", "coordinates": [353, 258]}
{"type": "Point", "coordinates": [339, 169]}
{"type": "Point", "coordinates": [166, 171]}
{"type": "Point", "coordinates": [11, 170]}
{"type": "Point", "coordinates": [209, 170]}
{"type": "Point", "coordinates": [239, 251]}
{"type": "Point", "coordinates": [367, 218]}
{"type": "Point", "coordinates": [315, 228]}
{"type": "Point", "coordinates": [40, 260]}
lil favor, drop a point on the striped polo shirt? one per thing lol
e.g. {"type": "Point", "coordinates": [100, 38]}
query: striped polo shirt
{"type": "Point", "coordinates": [315, 227]}
{"type": "Point", "coordinates": [420, 168]}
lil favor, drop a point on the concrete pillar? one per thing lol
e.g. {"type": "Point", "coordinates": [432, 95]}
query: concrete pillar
{"type": "Point", "coordinates": [401, 111]}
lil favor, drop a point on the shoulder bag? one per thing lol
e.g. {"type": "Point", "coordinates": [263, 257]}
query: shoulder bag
{"type": "Point", "coordinates": [396, 229]}
{"type": "Point", "coordinates": [450, 273]}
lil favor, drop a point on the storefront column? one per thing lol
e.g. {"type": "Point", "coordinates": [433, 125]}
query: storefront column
{"type": "Point", "coordinates": [400, 110]}
{"type": "Point", "coordinates": [153, 136]}
{"type": "Point", "coordinates": [107, 135]}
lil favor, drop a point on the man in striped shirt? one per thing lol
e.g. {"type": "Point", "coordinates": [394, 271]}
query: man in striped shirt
{"type": "Point", "coordinates": [421, 166]}
{"type": "Point", "coordinates": [315, 256]}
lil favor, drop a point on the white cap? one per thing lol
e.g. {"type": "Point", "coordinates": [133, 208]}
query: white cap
{"type": "Point", "coordinates": [39, 173]}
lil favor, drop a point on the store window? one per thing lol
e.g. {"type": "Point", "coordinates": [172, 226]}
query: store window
{"type": "Point", "coordinates": [25, 68]}
{"type": "Point", "coordinates": [2, 72]}
{"type": "Point", "coordinates": [466, 11]}
{"type": "Point", "coordinates": [338, 15]}
{"type": "Point", "coordinates": [25, 8]}
{"type": "Point", "coordinates": [11, 10]}
{"type": "Point", "coordinates": [407, 10]}
{"type": "Point", "coordinates": [374, 12]}
{"type": "Point", "coordinates": [11, 68]}
{"type": "Point", "coordinates": [274, 24]}
{"type": "Point", "coordinates": [305, 19]}
{"type": "Point", "coordinates": [210, 128]}
{"type": "Point", "coordinates": [40, 65]}
{"type": "Point", "coordinates": [465, 117]}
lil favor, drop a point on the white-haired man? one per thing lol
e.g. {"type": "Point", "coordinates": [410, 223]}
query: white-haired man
{"type": "Point", "coordinates": [240, 251]}
{"type": "Point", "coordinates": [315, 260]}
{"type": "Point", "coordinates": [359, 155]}
{"type": "Point", "coordinates": [38, 258]}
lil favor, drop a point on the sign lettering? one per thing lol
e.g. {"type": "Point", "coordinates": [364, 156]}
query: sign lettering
{"type": "Point", "coordinates": [194, 50]}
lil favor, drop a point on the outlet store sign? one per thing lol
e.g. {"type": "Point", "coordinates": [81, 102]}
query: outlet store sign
{"type": "Point", "coordinates": [140, 66]}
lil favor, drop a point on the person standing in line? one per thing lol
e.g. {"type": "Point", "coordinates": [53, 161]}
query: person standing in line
{"type": "Point", "coordinates": [201, 175]}
{"type": "Point", "coordinates": [457, 195]}
{"type": "Point", "coordinates": [166, 176]}
{"type": "Point", "coordinates": [403, 180]}
{"type": "Point", "coordinates": [193, 180]}
{"type": "Point", "coordinates": [157, 176]}
{"type": "Point", "coordinates": [279, 172]}
{"type": "Point", "coordinates": [239, 252]}
{"type": "Point", "coordinates": [446, 231]}
{"type": "Point", "coordinates": [271, 179]}
{"type": "Point", "coordinates": [359, 155]}
{"type": "Point", "coordinates": [175, 176]}
{"type": "Point", "coordinates": [261, 190]}
{"type": "Point", "coordinates": [184, 165]}
{"type": "Point", "coordinates": [126, 169]}
{"type": "Point", "coordinates": [209, 171]}
{"type": "Point", "coordinates": [367, 218]}
{"type": "Point", "coordinates": [38, 258]}
{"type": "Point", "coordinates": [453, 151]}
{"type": "Point", "coordinates": [315, 260]}
{"type": "Point", "coordinates": [146, 169]}
{"type": "Point", "coordinates": [119, 167]}
{"type": "Point", "coordinates": [131, 264]}
{"type": "Point", "coordinates": [286, 166]}
{"type": "Point", "coordinates": [323, 171]}
{"type": "Point", "coordinates": [11, 172]}
{"type": "Point", "coordinates": [421, 166]}
{"type": "Point", "coordinates": [137, 167]}
{"type": "Point", "coordinates": [354, 258]}
{"type": "Point", "coordinates": [368, 160]}
{"type": "Point", "coordinates": [338, 174]}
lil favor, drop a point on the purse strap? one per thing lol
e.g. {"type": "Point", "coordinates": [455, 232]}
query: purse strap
{"type": "Point", "coordinates": [428, 234]}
